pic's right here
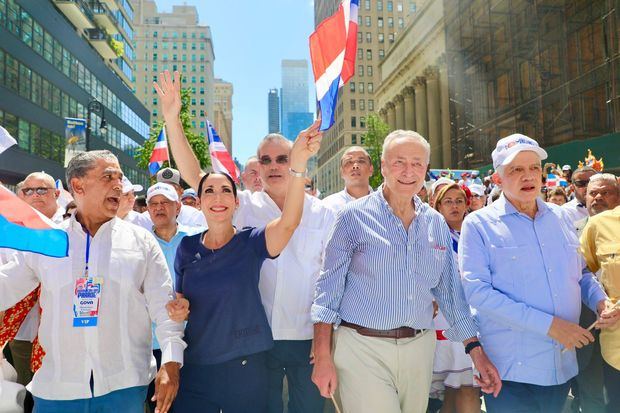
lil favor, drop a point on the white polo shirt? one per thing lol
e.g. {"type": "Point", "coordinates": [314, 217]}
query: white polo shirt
{"type": "Point", "coordinates": [287, 283]}
{"type": "Point", "coordinates": [338, 200]}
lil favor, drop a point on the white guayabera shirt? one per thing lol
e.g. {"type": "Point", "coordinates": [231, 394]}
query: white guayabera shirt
{"type": "Point", "coordinates": [136, 287]}
{"type": "Point", "coordinates": [287, 282]}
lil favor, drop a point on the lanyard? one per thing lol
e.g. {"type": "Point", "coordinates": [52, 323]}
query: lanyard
{"type": "Point", "coordinates": [87, 254]}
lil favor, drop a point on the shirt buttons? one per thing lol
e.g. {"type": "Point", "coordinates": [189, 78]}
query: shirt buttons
{"type": "Point", "coordinates": [410, 297]}
{"type": "Point", "coordinates": [244, 362]}
{"type": "Point", "coordinates": [514, 258]}
{"type": "Point", "coordinates": [549, 270]}
{"type": "Point", "coordinates": [519, 363]}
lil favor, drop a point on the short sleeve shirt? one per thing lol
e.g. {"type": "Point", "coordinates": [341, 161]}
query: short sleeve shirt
{"type": "Point", "coordinates": [227, 319]}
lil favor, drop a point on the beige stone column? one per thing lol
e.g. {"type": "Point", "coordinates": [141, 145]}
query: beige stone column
{"type": "Point", "coordinates": [421, 117]}
{"type": "Point", "coordinates": [383, 114]}
{"type": "Point", "coordinates": [434, 116]}
{"type": "Point", "coordinates": [391, 116]}
{"type": "Point", "coordinates": [409, 105]}
{"type": "Point", "coordinates": [399, 108]}
{"type": "Point", "coordinates": [446, 128]}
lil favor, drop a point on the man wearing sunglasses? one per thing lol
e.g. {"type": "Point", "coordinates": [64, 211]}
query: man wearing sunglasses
{"type": "Point", "coordinates": [576, 210]}
{"type": "Point", "coordinates": [39, 191]}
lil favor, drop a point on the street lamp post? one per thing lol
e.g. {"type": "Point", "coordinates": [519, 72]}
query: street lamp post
{"type": "Point", "coordinates": [94, 106]}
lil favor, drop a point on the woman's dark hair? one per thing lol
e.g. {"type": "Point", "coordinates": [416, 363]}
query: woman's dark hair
{"type": "Point", "coordinates": [224, 174]}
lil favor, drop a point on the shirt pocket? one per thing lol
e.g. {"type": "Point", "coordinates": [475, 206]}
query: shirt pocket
{"type": "Point", "coordinates": [127, 268]}
{"type": "Point", "coordinates": [429, 264]}
{"type": "Point", "coordinates": [609, 257]}
{"type": "Point", "coordinates": [507, 263]}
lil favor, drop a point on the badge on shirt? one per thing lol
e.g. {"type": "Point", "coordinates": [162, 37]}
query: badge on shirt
{"type": "Point", "coordinates": [86, 301]}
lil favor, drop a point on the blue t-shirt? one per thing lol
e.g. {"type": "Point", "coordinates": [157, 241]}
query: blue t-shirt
{"type": "Point", "coordinates": [227, 319]}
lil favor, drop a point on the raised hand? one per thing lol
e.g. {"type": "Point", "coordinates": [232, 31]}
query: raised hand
{"type": "Point", "coordinates": [169, 94]}
{"type": "Point", "coordinates": [307, 143]}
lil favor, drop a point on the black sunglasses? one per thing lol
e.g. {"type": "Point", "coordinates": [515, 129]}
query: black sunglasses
{"type": "Point", "coordinates": [42, 190]}
{"type": "Point", "coordinates": [281, 159]}
{"type": "Point", "coordinates": [581, 183]}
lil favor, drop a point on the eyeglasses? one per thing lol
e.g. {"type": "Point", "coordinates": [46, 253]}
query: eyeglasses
{"type": "Point", "coordinates": [280, 159]}
{"type": "Point", "coordinates": [581, 183]}
{"type": "Point", "coordinates": [42, 190]}
{"type": "Point", "coordinates": [156, 205]}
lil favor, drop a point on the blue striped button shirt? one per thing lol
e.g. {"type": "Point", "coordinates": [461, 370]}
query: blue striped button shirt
{"type": "Point", "coordinates": [378, 275]}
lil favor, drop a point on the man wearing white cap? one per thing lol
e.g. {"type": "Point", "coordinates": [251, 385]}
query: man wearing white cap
{"type": "Point", "coordinates": [188, 215]}
{"type": "Point", "coordinates": [128, 198]}
{"type": "Point", "coordinates": [523, 277]}
{"type": "Point", "coordinates": [478, 197]}
{"type": "Point", "coordinates": [163, 206]}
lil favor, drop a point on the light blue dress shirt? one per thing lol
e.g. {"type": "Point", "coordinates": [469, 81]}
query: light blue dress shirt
{"type": "Point", "coordinates": [379, 275]}
{"type": "Point", "coordinates": [518, 273]}
{"type": "Point", "coordinates": [170, 250]}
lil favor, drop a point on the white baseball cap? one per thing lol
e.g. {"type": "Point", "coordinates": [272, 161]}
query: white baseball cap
{"type": "Point", "coordinates": [189, 193]}
{"type": "Point", "coordinates": [566, 168]}
{"type": "Point", "coordinates": [440, 181]}
{"type": "Point", "coordinates": [507, 148]}
{"type": "Point", "coordinates": [476, 189]}
{"type": "Point", "coordinates": [161, 188]}
{"type": "Point", "coordinates": [128, 186]}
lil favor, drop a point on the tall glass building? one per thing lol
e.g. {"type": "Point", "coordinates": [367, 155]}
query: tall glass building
{"type": "Point", "coordinates": [55, 58]}
{"type": "Point", "coordinates": [294, 96]}
{"type": "Point", "coordinates": [273, 107]}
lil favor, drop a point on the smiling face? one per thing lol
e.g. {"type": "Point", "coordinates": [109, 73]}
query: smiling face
{"type": "Point", "coordinates": [404, 165]}
{"type": "Point", "coordinates": [521, 179]}
{"type": "Point", "coordinates": [453, 206]}
{"type": "Point", "coordinates": [98, 193]}
{"type": "Point", "coordinates": [163, 211]}
{"type": "Point", "coordinates": [274, 163]}
{"type": "Point", "coordinates": [217, 200]}
{"type": "Point", "coordinates": [355, 168]}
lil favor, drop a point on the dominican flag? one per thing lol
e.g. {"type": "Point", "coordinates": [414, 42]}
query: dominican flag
{"type": "Point", "coordinates": [221, 161]}
{"type": "Point", "coordinates": [24, 228]}
{"type": "Point", "coordinates": [554, 180]}
{"type": "Point", "coordinates": [160, 152]}
{"type": "Point", "coordinates": [333, 46]}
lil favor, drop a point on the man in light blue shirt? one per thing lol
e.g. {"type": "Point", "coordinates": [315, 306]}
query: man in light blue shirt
{"type": "Point", "coordinates": [523, 277]}
{"type": "Point", "coordinates": [388, 257]}
{"type": "Point", "coordinates": [163, 206]}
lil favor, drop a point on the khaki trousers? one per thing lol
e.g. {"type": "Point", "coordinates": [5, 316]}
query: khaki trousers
{"type": "Point", "coordinates": [383, 375]}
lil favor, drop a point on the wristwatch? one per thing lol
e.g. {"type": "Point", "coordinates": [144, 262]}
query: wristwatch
{"type": "Point", "coordinates": [296, 174]}
{"type": "Point", "coordinates": [469, 347]}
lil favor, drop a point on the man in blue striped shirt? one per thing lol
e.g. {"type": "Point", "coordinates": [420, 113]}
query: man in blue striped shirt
{"type": "Point", "coordinates": [389, 256]}
{"type": "Point", "coordinates": [522, 275]}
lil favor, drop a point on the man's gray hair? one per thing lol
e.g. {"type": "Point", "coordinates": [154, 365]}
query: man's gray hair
{"type": "Point", "coordinates": [250, 159]}
{"type": "Point", "coordinates": [609, 178]}
{"type": "Point", "coordinates": [83, 162]}
{"type": "Point", "coordinates": [273, 137]}
{"type": "Point", "coordinates": [409, 134]}
{"type": "Point", "coordinates": [42, 176]}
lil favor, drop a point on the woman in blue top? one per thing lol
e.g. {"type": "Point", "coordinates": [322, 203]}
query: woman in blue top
{"type": "Point", "coordinates": [217, 272]}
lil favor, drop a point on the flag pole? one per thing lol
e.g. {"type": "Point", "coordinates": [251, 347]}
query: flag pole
{"type": "Point", "coordinates": [594, 323]}
{"type": "Point", "coordinates": [167, 146]}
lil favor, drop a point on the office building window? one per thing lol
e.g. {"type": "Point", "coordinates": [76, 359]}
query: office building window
{"type": "Point", "coordinates": [401, 23]}
{"type": "Point", "coordinates": [369, 70]}
{"type": "Point", "coordinates": [368, 54]}
{"type": "Point", "coordinates": [353, 122]}
{"type": "Point", "coordinates": [352, 86]}
{"type": "Point", "coordinates": [399, 6]}
{"type": "Point", "coordinates": [381, 53]}
{"type": "Point", "coordinates": [390, 22]}
{"type": "Point", "coordinates": [370, 88]}
{"type": "Point", "coordinates": [391, 37]}
{"type": "Point", "coordinates": [379, 5]}
{"type": "Point", "coordinates": [362, 104]}
{"type": "Point", "coordinates": [360, 87]}
{"type": "Point", "coordinates": [390, 6]}
{"type": "Point", "coordinates": [380, 22]}
{"type": "Point", "coordinates": [354, 139]}
{"type": "Point", "coordinates": [360, 53]}
{"type": "Point", "coordinates": [368, 37]}
{"type": "Point", "coordinates": [360, 37]}
{"type": "Point", "coordinates": [367, 20]}
{"type": "Point", "coordinates": [362, 122]}
{"type": "Point", "coordinates": [367, 4]}
{"type": "Point", "coordinates": [360, 70]}
{"type": "Point", "coordinates": [352, 104]}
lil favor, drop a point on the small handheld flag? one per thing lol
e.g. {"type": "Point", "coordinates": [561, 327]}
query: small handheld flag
{"type": "Point", "coordinates": [6, 140]}
{"type": "Point", "coordinates": [333, 47]}
{"type": "Point", "coordinates": [221, 161]}
{"type": "Point", "coordinates": [160, 152]}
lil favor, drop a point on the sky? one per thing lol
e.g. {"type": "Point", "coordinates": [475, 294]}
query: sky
{"type": "Point", "coordinates": [250, 39]}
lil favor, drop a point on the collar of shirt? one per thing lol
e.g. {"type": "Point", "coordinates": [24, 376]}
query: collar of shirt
{"type": "Point", "coordinates": [349, 197]}
{"type": "Point", "coordinates": [505, 207]}
{"type": "Point", "coordinates": [419, 206]}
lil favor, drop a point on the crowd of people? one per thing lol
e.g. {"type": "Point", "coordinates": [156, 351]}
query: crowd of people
{"type": "Point", "coordinates": [419, 295]}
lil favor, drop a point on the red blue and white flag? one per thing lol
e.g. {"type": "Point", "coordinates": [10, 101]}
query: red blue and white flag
{"type": "Point", "coordinates": [23, 227]}
{"type": "Point", "coordinates": [221, 161]}
{"type": "Point", "coordinates": [160, 152]}
{"type": "Point", "coordinates": [555, 180]}
{"type": "Point", "coordinates": [333, 46]}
